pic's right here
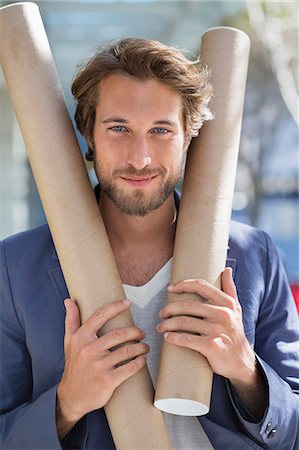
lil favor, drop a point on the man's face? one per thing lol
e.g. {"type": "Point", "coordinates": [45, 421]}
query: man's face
{"type": "Point", "coordinates": [139, 142]}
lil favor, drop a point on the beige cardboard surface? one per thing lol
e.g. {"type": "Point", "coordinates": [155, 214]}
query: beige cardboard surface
{"type": "Point", "coordinates": [71, 208]}
{"type": "Point", "coordinates": [203, 223]}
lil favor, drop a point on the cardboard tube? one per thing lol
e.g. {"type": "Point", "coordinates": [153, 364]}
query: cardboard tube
{"type": "Point", "coordinates": [73, 214]}
{"type": "Point", "coordinates": [185, 377]}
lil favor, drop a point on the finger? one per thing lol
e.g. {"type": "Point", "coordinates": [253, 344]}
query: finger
{"type": "Point", "coordinates": [96, 321]}
{"type": "Point", "coordinates": [122, 373]}
{"type": "Point", "coordinates": [228, 285]}
{"type": "Point", "coordinates": [185, 323]}
{"type": "Point", "coordinates": [204, 289]}
{"type": "Point", "coordinates": [119, 336]}
{"type": "Point", "coordinates": [186, 340]}
{"type": "Point", "coordinates": [126, 353]}
{"type": "Point", "coordinates": [72, 320]}
{"type": "Point", "coordinates": [192, 308]}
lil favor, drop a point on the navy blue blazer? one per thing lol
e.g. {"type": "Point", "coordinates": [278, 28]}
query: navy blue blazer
{"type": "Point", "coordinates": [32, 290]}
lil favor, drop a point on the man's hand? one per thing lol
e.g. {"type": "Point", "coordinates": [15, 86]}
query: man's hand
{"type": "Point", "coordinates": [93, 368]}
{"type": "Point", "coordinates": [215, 329]}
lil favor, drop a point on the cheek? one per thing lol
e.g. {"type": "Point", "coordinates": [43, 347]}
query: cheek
{"type": "Point", "coordinates": [172, 155]}
{"type": "Point", "coordinates": [108, 150]}
{"type": "Point", "coordinates": [171, 148]}
{"type": "Point", "coordinates": [176, 154]}
{"type": "Point", "coordinates": [106, 140]}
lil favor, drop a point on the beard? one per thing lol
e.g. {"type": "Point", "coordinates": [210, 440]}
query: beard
{"type": "Point", "coordinates": [139, 202]}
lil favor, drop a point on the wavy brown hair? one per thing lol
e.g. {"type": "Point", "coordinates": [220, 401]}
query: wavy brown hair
{"type": "Point", "coordinates": [143, 59]}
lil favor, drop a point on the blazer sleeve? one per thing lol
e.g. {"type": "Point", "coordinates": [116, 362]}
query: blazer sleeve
{"type": "Point", "coordinates": [24, 423]}
{"type": "Point", "coordinates": [276, 347]}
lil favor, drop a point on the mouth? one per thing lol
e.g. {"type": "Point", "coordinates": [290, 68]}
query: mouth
{"type": "Point", "coordinates": [138, 181]}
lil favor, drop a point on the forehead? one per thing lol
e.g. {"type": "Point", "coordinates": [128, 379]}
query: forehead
{"type": "Point", "coordinates": [125, 95]}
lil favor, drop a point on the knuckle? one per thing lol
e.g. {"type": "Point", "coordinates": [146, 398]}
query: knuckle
{"type": "Point", "coordinates": [188, 305]}
{"type": "Point", "coordinates": [227, 316]}
{"type": "Point", "coordinates": [85, 352]}
{"type": "Point", "coordinates": [231, 303]}
{"type": "Point", "coordinates": [183, 338]}
{"type": "Point", "coordinates": [118, 333]}
{"type": "Point", "coordinates": [187, 338]}
{"type": "Point", "coordinates": [183, 321]}
{"type": "Point", "coordinates": [100, 313]}
{"type": "Point", "coordinates": [129, 350]}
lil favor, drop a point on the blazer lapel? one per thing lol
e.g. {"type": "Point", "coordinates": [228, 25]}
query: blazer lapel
{"type": "Point", "coordinates": [57, 279]}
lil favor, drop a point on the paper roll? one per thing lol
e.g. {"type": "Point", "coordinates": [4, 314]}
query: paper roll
{"type": "Point", "coordinates": [185, 377]}
{"type": "Point", "coordinates": [73, 214]}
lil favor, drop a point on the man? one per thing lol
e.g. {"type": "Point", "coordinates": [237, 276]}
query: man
{"type": "Point", "coordinates": [138, 105]}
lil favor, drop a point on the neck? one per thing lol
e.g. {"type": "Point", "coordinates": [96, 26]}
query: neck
{"type": "Point", "coordinates": [126, 231]}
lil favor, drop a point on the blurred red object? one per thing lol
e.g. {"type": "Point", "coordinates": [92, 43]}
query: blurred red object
{"type": "Point", "coordinates": [295, 292]}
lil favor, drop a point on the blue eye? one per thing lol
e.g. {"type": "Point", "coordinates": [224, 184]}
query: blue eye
{"type": "Point", "coordinates": [161, 130]}
{"type": "Point", "coordinates": [118, 128]}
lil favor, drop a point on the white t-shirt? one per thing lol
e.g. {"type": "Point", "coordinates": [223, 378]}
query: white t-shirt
{"type": "Point", "coordinates": [186, 433]}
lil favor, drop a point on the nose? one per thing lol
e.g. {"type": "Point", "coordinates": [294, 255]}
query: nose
{"type": "Point", "coordinates": [138, 154]}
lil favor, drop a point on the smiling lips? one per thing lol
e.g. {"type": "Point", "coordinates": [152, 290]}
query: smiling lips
{"type": "Point", "coordinates": [139, 181]}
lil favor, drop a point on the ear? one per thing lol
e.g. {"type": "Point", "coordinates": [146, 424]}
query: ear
{"type": "Point", "coordinates": [90, 142]}
{"type": "Point", "coordinates": [89, 155]}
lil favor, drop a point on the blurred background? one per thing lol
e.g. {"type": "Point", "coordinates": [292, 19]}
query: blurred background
{"type": "Point", "coordinates": [267, 185]}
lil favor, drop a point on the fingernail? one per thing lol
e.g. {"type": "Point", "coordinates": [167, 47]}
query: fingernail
{"type": "Point", "coordinates": [171, 286]}
{"type": "Point", "coordinates": [166, 335]}
{"type": "Point", "coordinates": [161, 313]}
{"type": "Point", "coordinates": [126, 302]}
{"type": "Point", "coordinates": [158, 327]}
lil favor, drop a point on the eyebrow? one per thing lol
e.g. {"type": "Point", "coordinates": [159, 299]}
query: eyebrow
{"type": "Point", "coordinates": [157, 122]}
{"type": "Point", "coordinates": [165, 122]}
{"type": "Point", "coordinates": [115, 119]}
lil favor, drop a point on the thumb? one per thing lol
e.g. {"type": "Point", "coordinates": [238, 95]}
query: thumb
{"type": "Point", "coordinates": [72, 319]}
{"type": "Point", "coordinates": [228, 285]}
